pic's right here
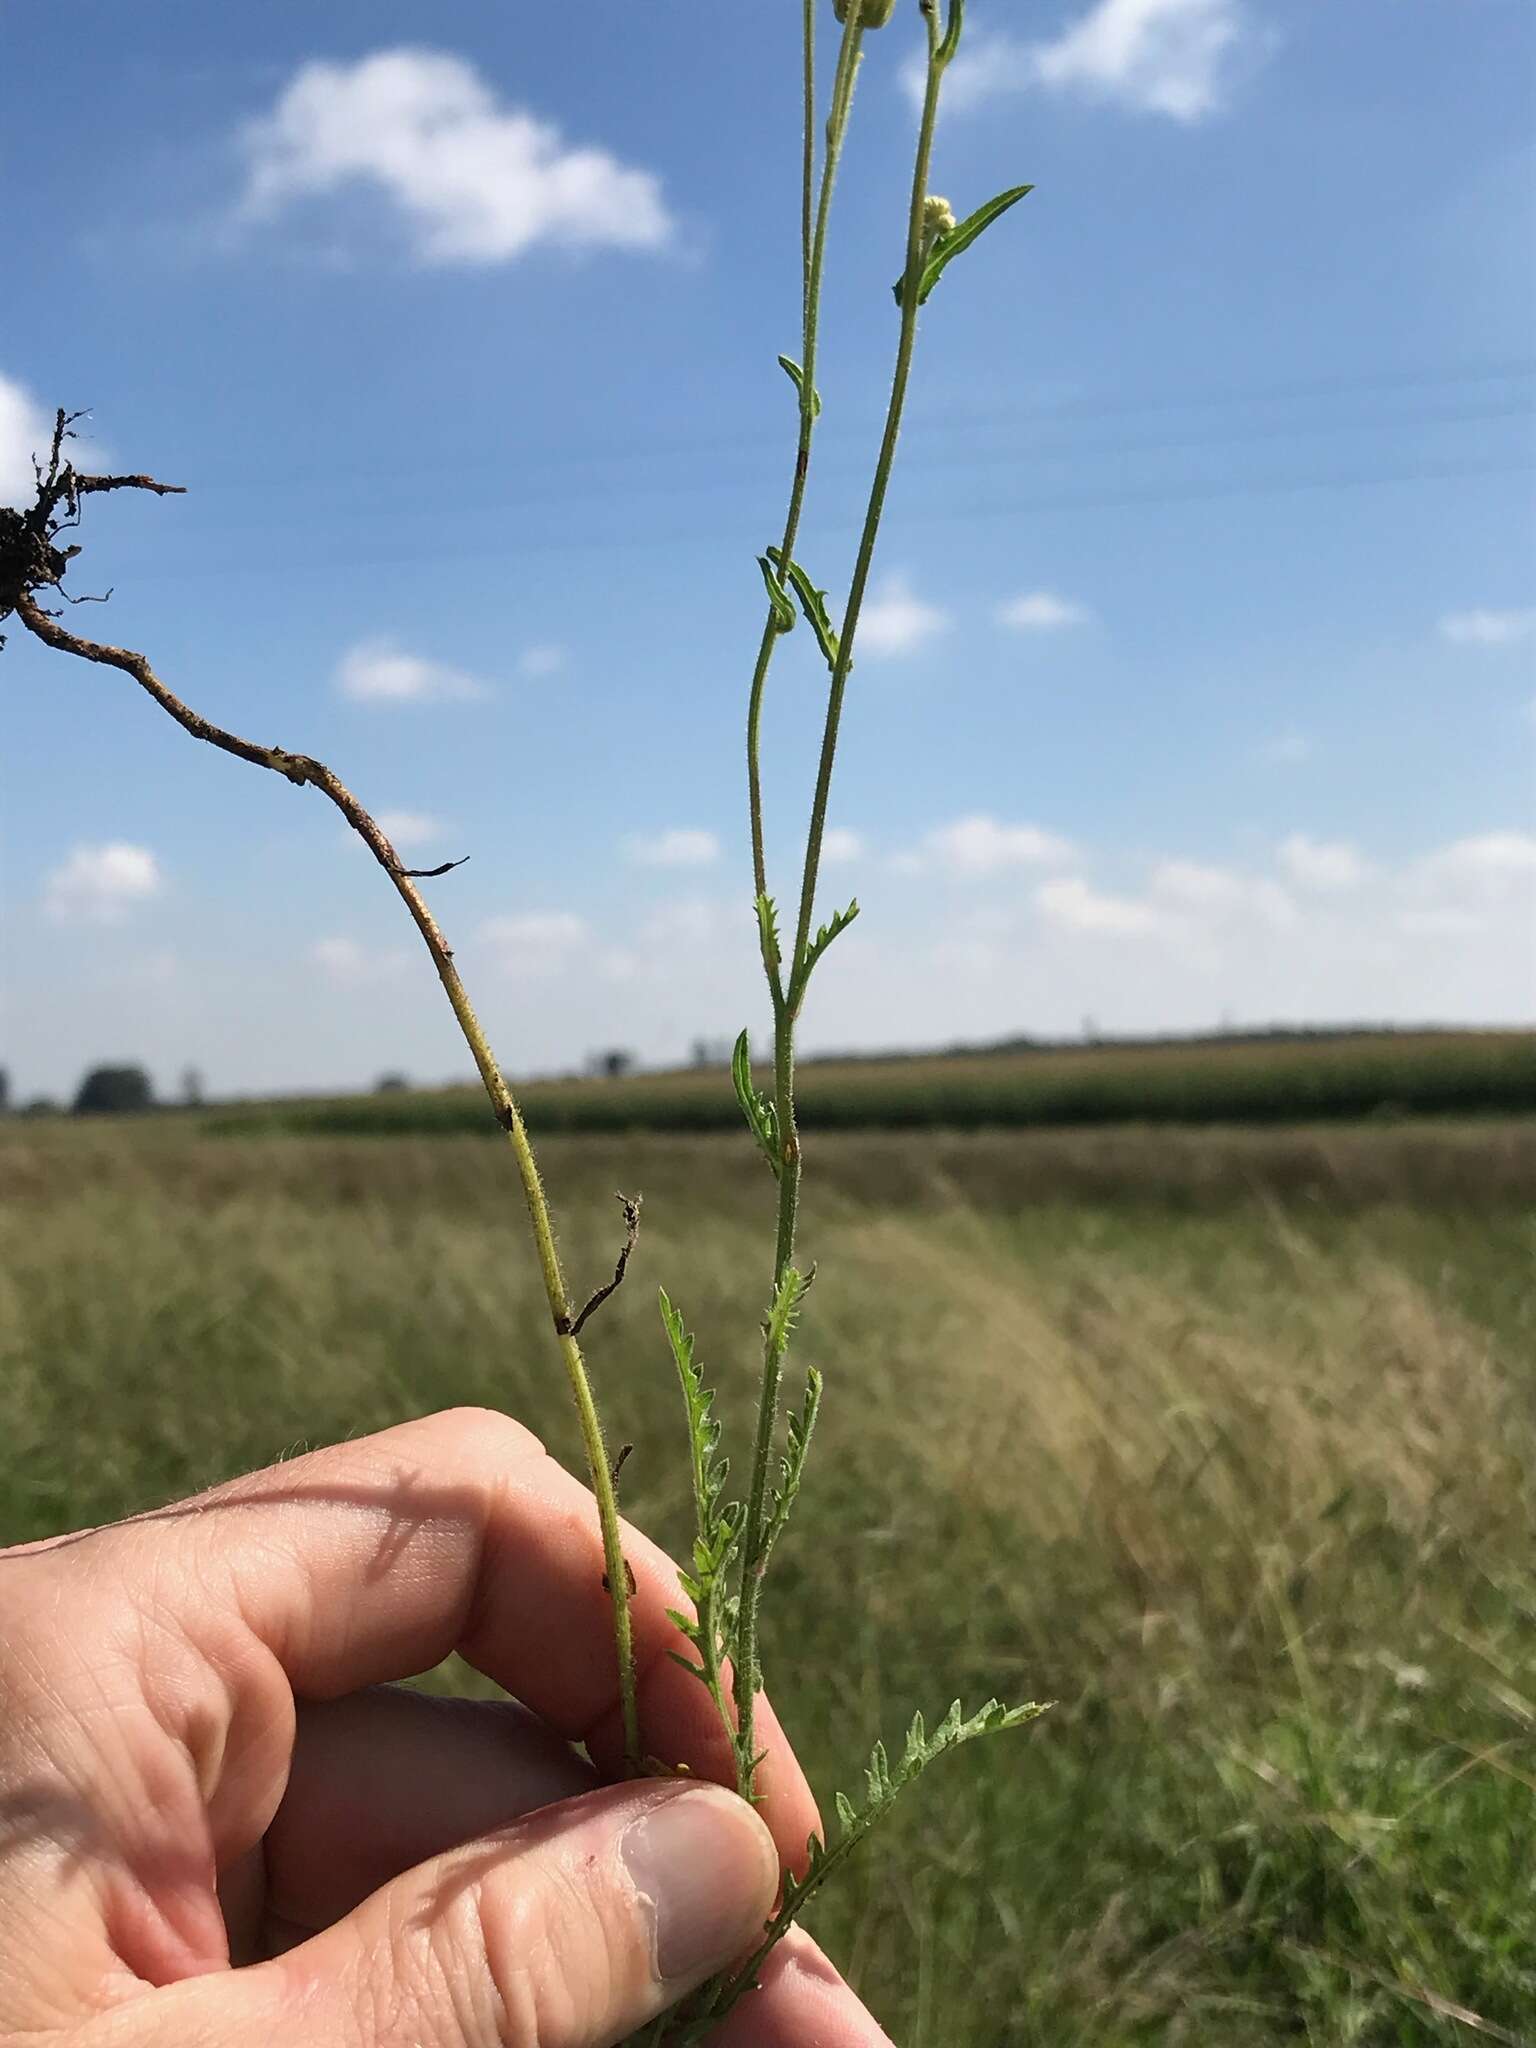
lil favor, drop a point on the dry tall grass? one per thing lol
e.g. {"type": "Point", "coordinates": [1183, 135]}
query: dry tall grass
{"type": "Point", "coordinates": [1207, 1437]}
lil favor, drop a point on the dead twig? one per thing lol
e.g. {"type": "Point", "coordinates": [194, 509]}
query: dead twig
{"type": "Point", "coordinates": [631, 1234]}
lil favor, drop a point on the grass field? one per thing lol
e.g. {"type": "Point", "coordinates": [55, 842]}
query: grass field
{"type": "Point", "coordinates": [1226, 1440]}
{"type": "Point", "coordinates": [1254, 1080]}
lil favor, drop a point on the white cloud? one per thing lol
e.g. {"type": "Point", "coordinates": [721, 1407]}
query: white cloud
{"type": "Point", "coordinates": [839, 845]}
{"type": "Point", "coordinates": [1286, 749]}
{"type": "Point", "coordinates": [1208, 892]}
{"type": "Point", "coordinates": [1072, 903]}
{"type": "Point", "coordinates": [1485, 859]}
{"type": "Point", "coordinates": [691, 921]}
{"type": "Point", "coordinates": [475, 181]}
{"type": "Point", "coordinates": [1170, 57]}
{"type": "Point", "coordinates": [1438, 924]}
{"type": "Point", "coordinates": [407, 829]}
{"type": "Point", "coordinates": [381, 672]}
{"type": "Point", "coordinates": [1321, 864]}
{"type": "Point", "coordinates": [895, 621]}
{"type": "Point", "coordinates": [1041, 611]}
{"type": "Point", "coordinates": [545, 660]}
{"type": "Point", "coordinates": [1487, 628]}
{"type": "Point", "coordinates": [980, 845]}
{"type": "Point", "coordinates": [535, 941]}
{"type": "Point", "coordinates": [1203, 888]}
{"type": "Point", "coordinates": [680, 846]}
{"type": "Point", "coordinates": [346, 964]}
{"type": "Point", "coordinates": [101, 884]}
{"type": "Point", "coordinates": [25, 431]}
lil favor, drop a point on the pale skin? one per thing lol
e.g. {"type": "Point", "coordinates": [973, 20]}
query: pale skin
{"type": "Point", "coordinates": [222, 1824]}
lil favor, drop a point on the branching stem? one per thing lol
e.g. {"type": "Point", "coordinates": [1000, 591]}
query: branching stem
{"type": "Point", "coordinates": [788, 993]}
{"type": "Point", "coordinates": [301, 769]}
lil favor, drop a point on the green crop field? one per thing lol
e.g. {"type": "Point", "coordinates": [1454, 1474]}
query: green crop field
{"type": "Point", "coordinates": [1258, 1080]}
{"type": "Point", "coordinates": [1225, 1440]}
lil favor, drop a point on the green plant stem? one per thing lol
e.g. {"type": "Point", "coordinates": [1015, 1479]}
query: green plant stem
{"type": "Point", "coordinates": [747, 1677]}
{"type": "Point", "coordinates": [814, 250]}
{"type": "Point", "coordinates": [303, 769]}
{"type": "Point", "coordinates": [787, 999]}
{"type": "Point", "coordinates": [866, 553]}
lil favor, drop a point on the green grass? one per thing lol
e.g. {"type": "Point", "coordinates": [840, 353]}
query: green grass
{"type": "Point", "coordinates": [1248, 1081]}
{"type": "Point", "coordinates": [1224, 1440]}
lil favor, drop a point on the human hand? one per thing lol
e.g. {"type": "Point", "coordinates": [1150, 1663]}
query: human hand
{"type": "Point", "coordinates": [220, 1825]}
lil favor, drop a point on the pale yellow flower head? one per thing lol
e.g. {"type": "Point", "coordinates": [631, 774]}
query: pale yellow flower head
{"type": "Point", "coordinates": [938, 215]}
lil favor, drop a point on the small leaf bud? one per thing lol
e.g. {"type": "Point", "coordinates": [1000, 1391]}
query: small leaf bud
{"type": "Point", "coordinates": [876, 12]}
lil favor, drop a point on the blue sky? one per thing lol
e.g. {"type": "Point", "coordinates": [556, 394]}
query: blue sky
{"type": "Point", "coordinates": [1200, 682]}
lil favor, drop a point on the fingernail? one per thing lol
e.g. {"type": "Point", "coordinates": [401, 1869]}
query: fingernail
{"type": "Point", "coordinates": [704, 1861]}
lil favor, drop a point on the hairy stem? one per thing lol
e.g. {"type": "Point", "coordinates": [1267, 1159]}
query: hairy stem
{"type": "Point", "coordinates": [876, 507]}
{"type": "Point", "coordinates": [814, 250]}
{"type": "Point", "coordinates": [748, 1677]}
{"type": "Point", "coordinates": [301, 769]}
{"type": "Point", "coordinates": [787, 998]}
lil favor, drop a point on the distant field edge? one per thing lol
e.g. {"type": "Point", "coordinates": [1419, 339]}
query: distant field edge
{"type": "Point", "coordinates": [1256, 1082]}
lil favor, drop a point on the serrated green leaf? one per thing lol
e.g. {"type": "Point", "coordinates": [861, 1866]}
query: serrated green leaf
{"type": "Point", "coordinates": [796, 377]}
{"type": "Point", "coordinates": [778, 598]}
{"type": "Point", "coordinates": [768, 931]}
{"type": "Point", "coordinates": [838, 922]}
{"type": "Point", "coordinates": [958, 240]}
{"type": "Point", "coordinates": [715, 1524]}
{"type": "Point", "coordinates": [758, 1109]}
{"type": "Point", "coordinates": [813, 603]}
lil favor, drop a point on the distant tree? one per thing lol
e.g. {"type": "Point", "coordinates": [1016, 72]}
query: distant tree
{"type": "Point", "coordinates": [391, 1084]}
{"type": "Point", "coordinates": [114, 1091]}
{"type": "Point", "coordinates": [613, 1064]}
{"type": "Point", "coordinates": [192, 1087]}
{"type": "Point", "coordinates": [5, 1090]}
{"type": "Point", "coordinates": [40, 1105]}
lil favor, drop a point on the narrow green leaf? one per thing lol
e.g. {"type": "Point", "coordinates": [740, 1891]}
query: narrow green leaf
{"type": "Point", "coordinates": [839, 922]}
{"type": "Point", "coordinates": [959, 239]}
{"type": "Point", "coordinates": [768, 931]}
{"type": "Point", "coordinates": [778, 598]}
{"type": "Point", "coordinates": [797, 377]}
{"type": "Point", "coordinates": [813, 603]}
{"type": "Point", "coordinates": [758, 1109]}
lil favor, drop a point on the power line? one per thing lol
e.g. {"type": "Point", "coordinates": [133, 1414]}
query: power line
{"type": "Point", "coordinates": [1192, 491]}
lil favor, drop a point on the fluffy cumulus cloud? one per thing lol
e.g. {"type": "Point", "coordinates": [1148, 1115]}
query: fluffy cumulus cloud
{"type": "Point", "coordinates": [896, 621]}
{"type": "Point", "coordinates": [678, 846]}
{"type": "Point", "coordinates": [547, 659]}
{"type": "Point", "coordinates": [24, 432]}
{"type": "Point", "coordinates": [1041, 611]}
{"type": "Point", "coordinates": [1074, 904]}
{"type": "Point", "coordinates": [381, 672]}
{"type": "Point", "coordinates": [980, 845]}
{"type": "Point", "coordinates": [1488, 628]}
{"type": "Point", "coordinates": [840, 846]}
{"type": "Point", "coordinates": [407, 830]}
{"type": "Point", "coordinates": [535, 942]}
{"type": "Point", "coordinates": [1322, 864]}
{"type": "Point", "coordinates": [1202, 892]}
{"type": "Point", "coordinates": [1177, 58]}
{"type": "Point", "coordinates": [474, 180]}
{"type": "Point", "coordinates": [1286, 749]}
{"type": "Point", "coordinates": [347, 963]}
{"type": "Point", "coordinates": [102, 884]}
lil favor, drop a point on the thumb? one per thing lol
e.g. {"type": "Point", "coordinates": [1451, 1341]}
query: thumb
{"type": "Point", "coordinates": [571, 1929]}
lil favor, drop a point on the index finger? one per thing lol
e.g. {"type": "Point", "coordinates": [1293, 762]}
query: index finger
{"type": "Point", "coordinates": [373, 1560]}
